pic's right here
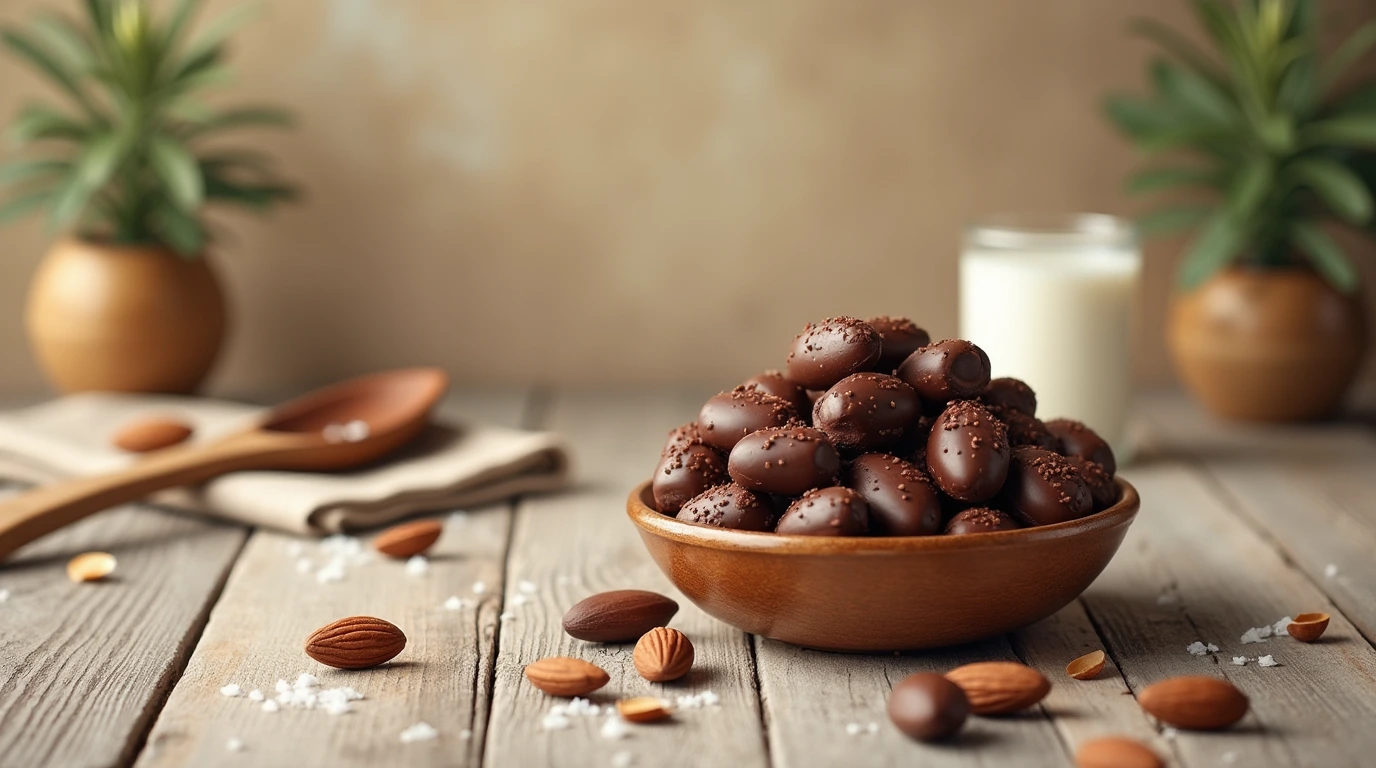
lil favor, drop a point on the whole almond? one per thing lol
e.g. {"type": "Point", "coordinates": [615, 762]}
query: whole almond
{"type": "Point", "coordinates": [1307, 627]}
{"type": "Point", "coordinates": [642, 709]}
{"type": "Point", "coordinates": [1116, 752]}
{"type": "Point", "coordinates": [1087, 667]}
{"type": "Point", "coordinates": [999, 687]}
{"type": "Point", "coordinates": [151, 434]}
{"type": "Point", "coordinates": [91, 566]}
{"type": "Point", "coordinates": [621, 616]}
{"type": "Point", "coordinates": [663, 654]}
{"type": "Point", "coordinates": [408, 539]}
{"type": "Point", "coordinates": [1194, 702]}
{"type": "Point", "coordinates": [357, 642]}
{"type": "Point", "coordinates": [562, 676]}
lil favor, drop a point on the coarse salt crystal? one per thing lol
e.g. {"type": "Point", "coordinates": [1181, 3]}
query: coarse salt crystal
{"type": "Point", "coordinates": [1330, 571]}
{"type": "Point", "coordinates": [465, 734]}
{"type": "Point", "coordinates": [553, 722]}
{"type": "Point", "coordinates": [519, 600]}
{"type": "Point", "coordinates": [255, 695]}
{"type": "Point", "coordinates": [1169, 733]}
{"type": "Point", "coordinates": [698, 700]}
{"type": "Point", "coordinates": [615, 728]}
{"type": "Point", "coordinates": [283, 686]}
{"type": "Point", "coordinates": [1240, 661]}
{"type": "Point", "coordinates": [232, 690]}
{"type": "Point", "coordinates": [294, 549]}
{"type": "Point", "coordinates": [1267, 661]}
{"type": "Point", "coordinates": [306, 680]}
{"type": "Point", "coordinates": [1200, 649]}
{"type": "Point", "coordinates": [271, 706]}
{"type": "Point", "coordinates": [853, 729]}
{"type": "Point", "coordinates": [1281, 627]}
{"type": "Point", "coordinates": [355, 431]}
{"type": "Point", "coordinates": [1256, 635]}
{"type": "Point", "coordinates": [454, 603]}
{"type": "Point", "coordinates": [479, 587]}
{"type": "Point", "coordinates": [419, 732]}
{"type": "Point", "coordinates": [331, 572]}
{"type": "Point", "coordinates": [234, 745]}
{"type": "Point", "coordinates": [4, 595]}
{"type": "Point", "coordinates": [304, 565]}
{"type": "Point", "coordinates": [418, 565]}
{"type": "Point", "coordinates": [623, 759]}
{"type": "Point", "coordinates": [508, 616]}
{"type": "Point", "coordinates": [528, 587]}
{"type": "Point", "coordinates": [872, 728]}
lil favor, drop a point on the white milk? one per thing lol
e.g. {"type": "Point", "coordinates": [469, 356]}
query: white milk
{"type": "Point", "coordinates": [1052, 304]}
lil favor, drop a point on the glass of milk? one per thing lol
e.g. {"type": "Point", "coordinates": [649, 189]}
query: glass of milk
{"type": "Point", "coordinates": [1051, 299]}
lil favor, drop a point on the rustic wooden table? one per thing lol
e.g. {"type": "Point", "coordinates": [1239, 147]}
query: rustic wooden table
{"type": "Point", "coordinates": [1239, 527]}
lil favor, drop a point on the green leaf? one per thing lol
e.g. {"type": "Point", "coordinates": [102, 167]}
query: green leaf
{"type": "Point", "coordinates": [98, 12]}
{"type": "Point", "coordinates": [1344, 192]}
{"type": "Point", "coordinates": [184, 233]}
{"type": "Point", "coordinates": [219, 30]}
{"type": "Point", "coordinates": [39, 123]}
{"type": "Point", "coordinates": [257, 196]}
{"type": "Point", "coordinates": [1172, 219]}
{"type": "Point", "coordinates": [1298, 91]}
{"type": "Point", "coordinates": [1177, 46]}
{"type": "Point", "coordinates": [1352, 49]}
{"type": "Point", "coordinates": [66, 39]}
{"type": "Point", "coordinates": [93, 170]}
{"type": "Point", "coordinates": [24, 170]}
{"type": "Point", "coordinates": [24, 204]}
{"type": "Point", "coordinates": [1359, 101]}
{"type": "Point", "coordinates": [1217, 244]}
{"type": "Point", "coordinates": [1194, 94]}
{"type": "Point", "coordinates": [26, 49]}
{"type": "Point", "coordinates": [195, 65]}
{"type": "Point", "coordinates": [1153, 179]}
{"type": "Point", "coordinates": [237, 118]}
{"type": "Point", "coordinates": [1328, 258]}
{"type": "Point", "coordinates": [1357, 131]}
{"type": "Point", "coordinates": [1250, 186]}
{"type": "Point", "coordinates": [179, 172]}
{"type": "Point", "coordinates": [1215, 21]}
{"type": "Point", "coordinates": [181, 15]}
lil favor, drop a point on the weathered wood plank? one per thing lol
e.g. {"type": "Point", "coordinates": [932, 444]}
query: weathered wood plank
{"type": "Point", "coordinates": [1219, 579]}
{"type": "Point", "coordinates": [84, 668]}
{"type": "Point", "coordinates": [580, 543]}
{"type": "Point", "coordinates": [256, 633]}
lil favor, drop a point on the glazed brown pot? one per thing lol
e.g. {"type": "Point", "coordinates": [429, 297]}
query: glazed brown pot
{"type": "Point", "coordinates": [124, 318]}
{"type": "Point", "coordinates": [882, 593]}
{"type": "Point", "coordinates": [1267, 344]}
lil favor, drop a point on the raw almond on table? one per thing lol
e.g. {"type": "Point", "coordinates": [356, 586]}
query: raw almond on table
{"type": "Point", "coordinates": [1116, 752]}
{"type": "Point", "coordinates": [151, 434]}
{"type": "Point", "coordinates": [408, 539]}
{"type": "Point", "coordinates": [91, 566]}
{"type": "Point", "coordinates": [621, 616]}
{"type": "Point", "coordinates": [999, 687]}
{"type": "Point", "coordinates": [663, 654]}
{"type": "Point", "coordinates": [1195, 702]}
{"type": "Point", "coordinates": [1308, 627]}
{"type": "Point", "coordinates": [357, 642]}
{"type": "Point", "coordinates": [562, 676]}
{"type": "Point", "coordinates": [642, 709]}
{"type": "Point", "coordinates": [1087, 667]}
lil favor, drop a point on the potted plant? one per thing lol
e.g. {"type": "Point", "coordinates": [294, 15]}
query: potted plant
{"type": "Point", "coordinates": [127, 300]}
{"type": "Point", "coordinates": [1273, 152]}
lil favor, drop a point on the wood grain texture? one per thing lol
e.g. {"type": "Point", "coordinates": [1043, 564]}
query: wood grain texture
{"type": "Point", "coordinates": [257, 631]}
{"type": "Point", "coordinates": [1219, 579]}
{"type": "Point", "coordinates": [581, 543]}
{"type": "Point", "coordinates": [84, 668]}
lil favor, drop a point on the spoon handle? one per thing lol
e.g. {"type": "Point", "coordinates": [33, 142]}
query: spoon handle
{"type": "Point", "coordinates": [47, 508]}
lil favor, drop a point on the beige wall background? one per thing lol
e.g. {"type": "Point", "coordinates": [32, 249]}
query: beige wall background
{"type": "Point", "coordinates": [598, 190]}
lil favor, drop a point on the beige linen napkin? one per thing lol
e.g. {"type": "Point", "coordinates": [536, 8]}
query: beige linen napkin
{"type": "Point", "coordinates": [449, 466]}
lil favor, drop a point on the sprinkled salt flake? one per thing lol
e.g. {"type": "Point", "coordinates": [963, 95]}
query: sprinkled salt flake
{"type": "Point", "coordinates": [1267, 661]}
{"type": "Point", "coordinates": [271, 706]}
{"type": "Point", "coordinates": [465, 734]}
{"type": "Point", "coordinates": [553, 722]}
{"type": "Point", "coordinates": [519, 600]}
{"type": "Point", "coordinates": [1169, 733]}
{"type": "Point", "coordinates": [623, 759]}
{"type": "Point", "coordinates": [1239, 661]}
{"type": "Point", "coordinates": [419, 732]}
{"type": "Point", "coordinates": [528, 587]}
{"type": "Point", "coordinates": [1330, 571]}
{"type": "Point", "coordinates": [232, 690]}
{"type": "Point", "coordinates": [294, 549]}
{"type": "Point", "coordinates": [283, 686]}
{"type": "Point", "coordinates": [1200, 649]}
{"type": "Point", "coordinates": [355, 431]}
{"type": "Point", "coordinates": [698, 700]}
{"type": "Point", "coordinates": [330, 573]}
{"type": "Point", "coordinates": [256, 695]}
{"type": "Point", "coordinates": [853, 729]}
{"type": "Point", "coordinates": [306, 680]}
{"type": "Point", "coordinates": [304, 565]}
{"type": "Point", "coordinates": [479, 587]}
{"type": "Point", "coordinates": [872, 728]}
{"type": "Point", "coordinates": [454, 603]}
{"type": "Point", "coordinates": [1282, 627]}
{"type": "Point", "coordinates": [4, 595]}
{"type": "Point", "coordinates": [1167, 599]}
{"type": "Point", "coordinates": [418, 565]}
{"type": "Point", "coordinates": [507, 616]}
{"type": "Point", "coordinates": [1256, 635]}
{"type": "Point", "coordinates": [614, 728]}
{"type": "Point", "coordinates": [234, 744]}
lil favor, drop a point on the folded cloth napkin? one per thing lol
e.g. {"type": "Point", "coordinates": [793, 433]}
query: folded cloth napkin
{"type": "Point", "coordinates": [447, 467]}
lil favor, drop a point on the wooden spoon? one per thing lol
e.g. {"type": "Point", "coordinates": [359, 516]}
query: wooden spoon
{"type": "Point", "coordinates": [306, 434]}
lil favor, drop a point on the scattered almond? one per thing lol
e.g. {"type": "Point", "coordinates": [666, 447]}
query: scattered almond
{"type": "Point", "coordinates": [151, 434]}
{"type": "Point", "coordinates": [91, 566]}
{"type": "Point", "coordinates": [1087, 667]}
{"type": "Point", "coordinates": [1116, 752]}
{"type": "Point", "coordinates": [1195, 702]}
{"type": "Point", "coordinates": [663, 654]}
{"type": "Point", "coordinates": [408, 539]}
{"type": "Point", "coordinates": [999, 687]}
{"type": "Point", "coordinates": [1308, 627]}
{"type": "Point", "coordinates": [562, 676]}
{"type": "Point", "coordinates": [642, 709]}
{"type": "Point", "coordinates": [621, 616]}
{"type": "Point", "coordinates": [357, 642]}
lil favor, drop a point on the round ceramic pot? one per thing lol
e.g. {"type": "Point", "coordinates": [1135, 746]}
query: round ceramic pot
{"type": "Point", "coordinates": [1257, 344]}
{"type": "Point", "coordinates": [124, 318]}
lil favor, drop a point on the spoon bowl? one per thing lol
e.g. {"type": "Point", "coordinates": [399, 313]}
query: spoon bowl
{"type": "Point", "coordinates": [871, 593]}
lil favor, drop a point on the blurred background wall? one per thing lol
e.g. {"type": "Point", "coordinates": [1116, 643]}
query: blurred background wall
{"type": "Point", "coordinates": [597, 190]}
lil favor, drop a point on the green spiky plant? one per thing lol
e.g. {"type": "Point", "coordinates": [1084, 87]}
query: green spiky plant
{"type": "Point", "coordinates": [127, 160]}
{"type": "Point", "coordinates": [1261, 125]}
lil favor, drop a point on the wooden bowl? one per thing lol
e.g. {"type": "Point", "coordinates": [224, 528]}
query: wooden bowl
{"type": "Point", "coordinates": [896, 593]}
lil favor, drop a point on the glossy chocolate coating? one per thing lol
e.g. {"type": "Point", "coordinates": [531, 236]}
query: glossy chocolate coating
{"type": "Point", "coordinates": [928, 707]}
{"type": "Point", "coordinates": [867, 411]}
{"type": "Point", "coordinates": [784, 460]}
{"type": "Point", "coordinates": [1080, 440]}
{"type": "Point", "coordinates": [826, 352]}
{"type": "Point", "coordinates": [729, 416]}
{"type": "Point", "coordinates": [730, 506]}
{"type": "Point", "coordinates": [901, 498]}
{"type": "Point", "coordinates": [1028, 431]}
{"type": "Point", "coordinates": [833, 511]}
{"type": "Point", "coordinates": [1010, 394]}
{"type": "Point", "coordinates": [684, 473]}
{"type": "Point", "coordinates": [967, 452]}
{"type": "Point", "coordinates": [980, 520]}
{"type": "Point", "coordinates": [681, 437]}
{"type": "Point", "coordinates": [776, 384]}
{"type": "Point", "coordinates": [901, 337]}
{"type": "Point", "coordinates": [1043, 488]}
{"type": "Point", "coordinates": [1101, 486]}
{"type": "Point", "coordinates": [953, 369]}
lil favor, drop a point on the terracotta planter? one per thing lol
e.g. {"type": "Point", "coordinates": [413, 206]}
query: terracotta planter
{"type": "Point", "coordinates": [124, 318]}
{"type": "Point", "coordinates": [1267, 344]}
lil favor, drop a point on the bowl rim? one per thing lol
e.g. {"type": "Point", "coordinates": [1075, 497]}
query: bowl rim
{"type": "Point", "coordinates": [649, 520]}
